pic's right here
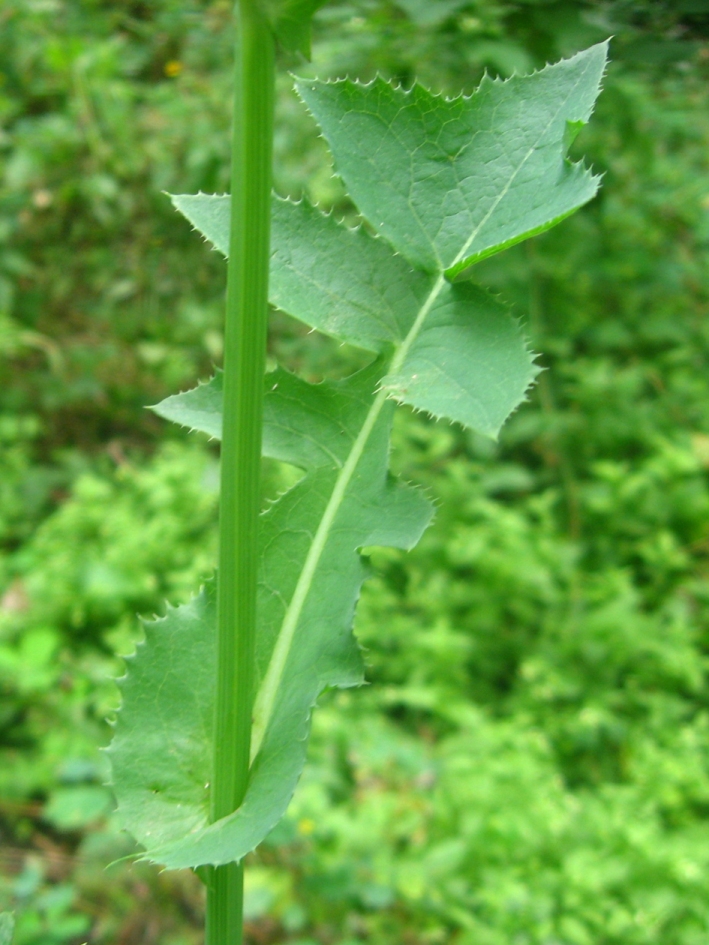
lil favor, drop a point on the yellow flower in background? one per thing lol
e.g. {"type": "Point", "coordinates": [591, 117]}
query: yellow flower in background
{"type": "Point", "coordinates": [306, 826]}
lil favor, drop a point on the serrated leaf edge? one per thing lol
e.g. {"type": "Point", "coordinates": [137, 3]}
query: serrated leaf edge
{"type": "Point", "coordinates": [441, 96]}
{"type": "Point", "coordinates": [461, 263]}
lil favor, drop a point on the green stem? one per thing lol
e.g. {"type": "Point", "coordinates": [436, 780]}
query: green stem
{"type": "Point", "coordinates": [244, 365]}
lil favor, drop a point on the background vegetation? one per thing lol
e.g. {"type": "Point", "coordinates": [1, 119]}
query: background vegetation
{"type": "Point", "coordinates": [531, 763]}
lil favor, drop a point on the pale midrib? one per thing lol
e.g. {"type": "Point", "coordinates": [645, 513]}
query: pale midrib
{"type": "Point", "coordinates": [505, 190]}
{"type": "Point", "coordinates": [268, 691]}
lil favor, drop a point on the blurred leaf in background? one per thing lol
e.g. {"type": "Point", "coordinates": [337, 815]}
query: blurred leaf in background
{"type": "Point", "coordinates": [531, 763]}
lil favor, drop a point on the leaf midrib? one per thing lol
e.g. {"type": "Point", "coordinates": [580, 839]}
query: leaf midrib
{"type": "Point", "coordinates": [268, 690]}
{"type": "Point", "coordinates": [461, 257]}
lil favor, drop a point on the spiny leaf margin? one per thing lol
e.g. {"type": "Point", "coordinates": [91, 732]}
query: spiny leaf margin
{"type": "Point", "coordinates": [322, 495]}
{"type": "Point", "coordinates": [358, 291]}
{"type": "Point", "coordinates": [449, 181]}
{"type": "Point", "coordinates": [310, 643]}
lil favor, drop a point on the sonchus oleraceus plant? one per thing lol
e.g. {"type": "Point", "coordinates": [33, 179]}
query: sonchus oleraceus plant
{"type": "Point", "coordinates": [212, 734]}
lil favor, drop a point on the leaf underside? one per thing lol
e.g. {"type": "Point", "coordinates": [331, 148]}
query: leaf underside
{"type": "Point", "coordinates": [161, 749]}
{"type": "Point", "coordinates": [451, 181]}
{"type": "Point", "coordinates": [444, 183]}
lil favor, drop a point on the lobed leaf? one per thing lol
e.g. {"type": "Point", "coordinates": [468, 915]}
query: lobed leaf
{"type": "Point", "coordinates": [466, 361]}
{"type": "Point", "coordinates": [446, 183]}
{"type": "Point", "coordinates": [162, 749]}
{"type": "Point", "coordinates": [469, 362]}
{"type": "Point", "coordinates": [310, 577]}
{"type": "Point", "coordinates": [307, 425]}
{"type": "Point", "coordinates": [338, 280]}
{"type": "Point", "coordinates": [451, 181]}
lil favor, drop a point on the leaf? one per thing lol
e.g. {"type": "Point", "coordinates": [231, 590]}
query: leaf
{"type": "Point", "coordinates": [161, 752]}
{"type": "Point", "coordinates": [335, 279]}
{"type": "Point", "coordinates": [489, 347]}
{"type": "Point", "coordinates": [307, 425]}
{"type": "Point", "coordinates": [291, 22]}
{"type": "Point", "coordinates": [310, 577]}
{"type": "Point", "coordinates": [451, 181]}
{"type": "Point", "coordinates": [7, 927]}
{"type": "Point", "coordinates": [445, 183]}
{"type": "Point", "coordinates": [469, 363]}
{"type": "Point", "coordinates": [349, 284]}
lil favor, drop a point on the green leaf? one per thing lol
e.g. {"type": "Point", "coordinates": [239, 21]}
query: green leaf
{"type": "Point", "coordinates": [451, 181]}
{"type": "Point", "coordinates": [466, 360]}
{"type": "Point", "coordinates": [198, 409]}
{"type": "Point", "coordinates": [310, 577]}
{"type": "Point", "coordinates": [469, 363]}
{"type": "Point", "coordinates": [445, 183]}
{"type": "Point", "coordinates": [7, 927]}
{"type": "Point", "coordinates": [308, 425]}
{"type": "Point", "coordinates": [162, 749]}
{"type": "Point", "coordinates": [291, 22]}
{"type": "Point", "coordinates": [338, 280]}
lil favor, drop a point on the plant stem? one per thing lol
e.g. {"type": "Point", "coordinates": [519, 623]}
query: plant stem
{"type": "Point", "coordinates": [244, 365]}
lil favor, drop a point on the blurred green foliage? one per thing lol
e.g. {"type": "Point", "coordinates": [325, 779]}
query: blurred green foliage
{"type": "Point", "coordinates": [531, 763]}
